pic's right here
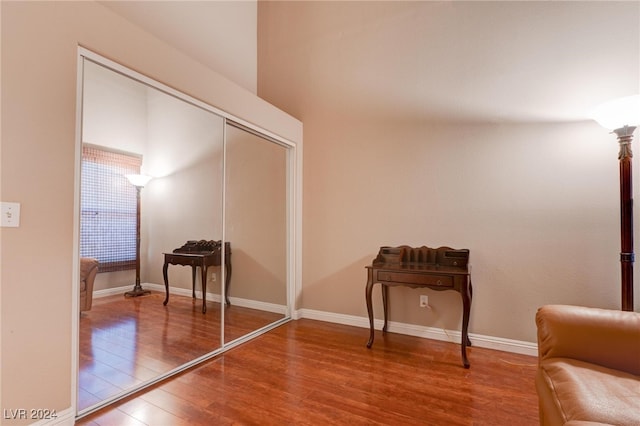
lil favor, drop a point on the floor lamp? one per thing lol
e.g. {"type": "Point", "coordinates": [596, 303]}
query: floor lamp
{"type": "Point", "coordinates": [139, 181]}
{"type": "Point", "coordinates": [621, 116]}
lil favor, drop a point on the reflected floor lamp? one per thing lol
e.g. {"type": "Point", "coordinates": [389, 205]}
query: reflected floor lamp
{"type": "Point", "coordinates": [139, 181]}
{"type": "Point", "coordinates": [621, 116]}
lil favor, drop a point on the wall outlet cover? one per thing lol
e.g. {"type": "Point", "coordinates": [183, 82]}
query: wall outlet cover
{"type": "Point", "coordinates": [10, 215]}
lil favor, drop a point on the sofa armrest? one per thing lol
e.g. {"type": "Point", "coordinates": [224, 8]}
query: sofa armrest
{"type": "Point", "coordinates": [600, 336]}
{"type": "Point", "coordinates": [87, 266]}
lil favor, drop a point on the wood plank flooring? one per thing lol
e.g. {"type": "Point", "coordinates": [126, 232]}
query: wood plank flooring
{"type": "Point", "coordinates": [315, 373]}
{"type": "Point", "coordinates": [126, 341]}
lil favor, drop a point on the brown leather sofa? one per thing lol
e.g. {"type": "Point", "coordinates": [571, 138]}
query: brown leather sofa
{"type": "Point", "coordinates": [588, 366]}
{"type": "Point", "coordinates": [88, 271]}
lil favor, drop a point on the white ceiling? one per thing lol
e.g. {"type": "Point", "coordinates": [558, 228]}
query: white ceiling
{"type": "Point", "coordinates": [473, 61]}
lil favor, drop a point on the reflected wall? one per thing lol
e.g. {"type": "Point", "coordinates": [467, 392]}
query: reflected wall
{"type": "Point", "coordinates": [256, 206]}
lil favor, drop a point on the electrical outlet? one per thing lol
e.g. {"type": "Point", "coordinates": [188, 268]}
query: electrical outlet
{"type": "Point", "coordinates": [213, 278]}
{"type": "Point", "coordinates": [424, 301]}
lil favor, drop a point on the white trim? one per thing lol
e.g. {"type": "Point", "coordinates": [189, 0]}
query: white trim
{"type": "Point", "coordinates": [454, 336]}
{"type": "Point", "coordinates": [295, 289]}
{"type": "Point", "coordinates": [223, 248]}
{"type": "Point", "coordinates": [75, 255]}
{"type": "Point", "coordinates": [212, 297]}
{"type": "Point", "coordinates": [97, 294]}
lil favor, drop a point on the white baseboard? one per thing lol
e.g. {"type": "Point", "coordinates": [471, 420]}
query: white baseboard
{"type": "Point", "coordinates": [235, 301]}
{"type": "Point", "coordinates": [479, 340]}
{"type": "Point", "coordinates": [111, 291]}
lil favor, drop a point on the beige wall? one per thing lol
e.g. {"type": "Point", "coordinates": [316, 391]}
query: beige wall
{"type": "Point", "coordinates": [536, 203]}
{"type": "Point", "coordinates": [39, 48]}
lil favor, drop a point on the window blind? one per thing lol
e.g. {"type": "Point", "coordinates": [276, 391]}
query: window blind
{"type": "Point", "coordinates": [108, 208]}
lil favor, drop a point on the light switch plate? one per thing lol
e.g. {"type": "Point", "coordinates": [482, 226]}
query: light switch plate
{"type": "Point", "coordinates": [10, 215]}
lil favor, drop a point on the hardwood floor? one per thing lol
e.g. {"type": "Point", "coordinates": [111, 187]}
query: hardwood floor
{"type": "Point", "coordinates": [315, 373]}
{"type": "Point", "coordinates": [126, 341]}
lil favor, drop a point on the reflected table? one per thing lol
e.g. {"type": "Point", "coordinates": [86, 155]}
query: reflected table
{"type": "Point", "coordinates": [203, 260]}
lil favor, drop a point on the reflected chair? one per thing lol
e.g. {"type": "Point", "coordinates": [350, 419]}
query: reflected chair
{"type": "Point", "coordinates": [88, 272]}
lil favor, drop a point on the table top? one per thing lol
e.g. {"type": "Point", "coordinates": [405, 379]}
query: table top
{"type": "Point", "coordinates": [192, 254]}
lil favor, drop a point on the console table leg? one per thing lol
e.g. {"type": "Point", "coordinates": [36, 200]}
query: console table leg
{"type": "Point", "coordinates": [203, 269]}
{"type": "Point", "coordinates": [470, 300]}
{"type": "Point", "coordinates": [368, 291]}
{"type": "Point", "coordinates": [193, 281]}
{"type": "Point", "coordinates": [466, 307]}
{"type": "Point", "coordinates": [166, 283]}
{"type": "Point", "coordinates": [385, 304]}
{"type": "Point", "coordinates": [227, 278]}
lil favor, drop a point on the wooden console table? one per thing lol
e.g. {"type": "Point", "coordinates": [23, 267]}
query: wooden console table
{"type": "Point", "coordinates": [439, 269]}
{"type": "Point", "coordinates": [202, 259]}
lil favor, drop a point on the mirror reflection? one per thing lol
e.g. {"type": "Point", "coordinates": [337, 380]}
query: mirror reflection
{"type": "Point", "coordinates": [256, 227]}
{"type": "Point", "coordinates": [168, 239]}
{"type": "Point", "coordinates": [129, 127]}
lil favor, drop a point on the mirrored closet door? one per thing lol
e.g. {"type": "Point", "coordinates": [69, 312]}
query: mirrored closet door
{"type": "Point", "coordinates": [256, 206]}
{"type": "Point", "coordinates": [215, 184]}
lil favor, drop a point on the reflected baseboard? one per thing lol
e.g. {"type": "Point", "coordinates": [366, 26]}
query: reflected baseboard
{"type": "Point", "coordinates": [235, 301]}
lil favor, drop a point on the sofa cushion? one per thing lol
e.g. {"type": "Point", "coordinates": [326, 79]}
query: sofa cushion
{"type": "Point", "coordinates": [587, 392]}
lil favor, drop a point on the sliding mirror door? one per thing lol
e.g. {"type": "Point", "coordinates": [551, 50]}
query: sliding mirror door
{"type": "Point", "coordinates": [223, 195]}
{"type": "Point", "coordinates": [131, 127]}
{"type": "Point", "coordinates": [256, 206]}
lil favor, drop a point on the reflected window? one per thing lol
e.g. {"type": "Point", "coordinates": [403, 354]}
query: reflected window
{"type": "Point", "coordinates": [108, 208]}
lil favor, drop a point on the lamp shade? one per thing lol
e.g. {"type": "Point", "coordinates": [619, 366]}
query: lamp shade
{"type": "Point", "coordinates": [138, 180]}
{"type": "Point", "coordinates": [618, 113]}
